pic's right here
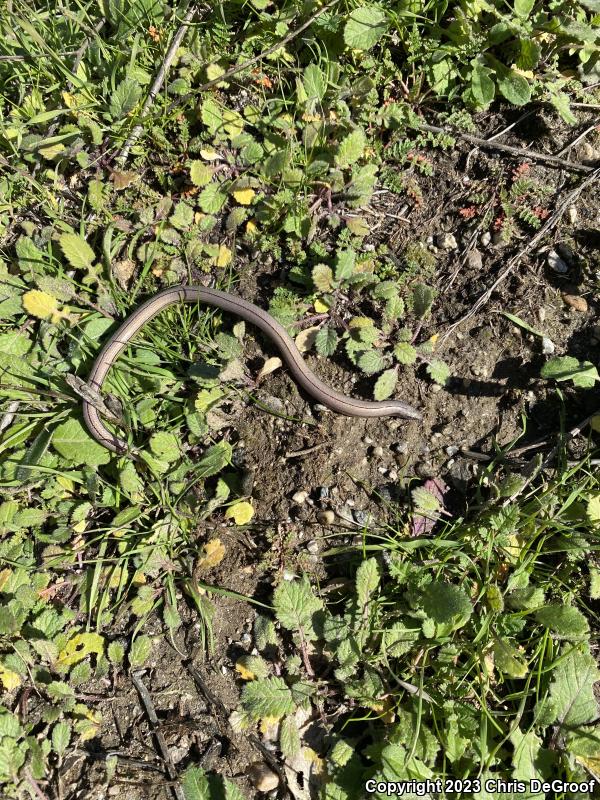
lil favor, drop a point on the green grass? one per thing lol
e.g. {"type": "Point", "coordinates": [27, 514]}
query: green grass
{"type": "Point", "coordinates": [280, 160]}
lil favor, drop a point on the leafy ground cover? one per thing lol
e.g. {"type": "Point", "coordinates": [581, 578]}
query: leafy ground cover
{"type": "Point", "coordinates": [327, 600]}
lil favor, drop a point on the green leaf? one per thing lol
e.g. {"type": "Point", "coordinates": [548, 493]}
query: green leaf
{"type": "Point", "coordinates": [367, 581]}
{"type": "Point", "coordinates": [211, 199]}
{"type": "Point", "coordinates": [571, 701]}
{"type": "Point", "coordinates": [447, 605]}
{"type": "Point", "coordinates": [365, 27]}
{"type": "Point", "coordinates": [314, 82]}
{"type": "Point", "coordinates": [201, 173]}
{"type": "Point", "coordinates": [345, 264]}
{"type": "Point", "coordinates": [483, 88]}
{"type": "Point", "coordinates": [523, 8]}
{"type": "Point", "coordinates": [61, 736]}
{"type": "Point", "coordinates": [566, 622]}
{"type": "Point", "coordinates": [515, 87]}
{"type": "Point", "coordinates": [165, 446]}
{"type": "Point", "coordinates": [195, 785]}
{"type": "Point", "coordinates": [269, 697]}
{"type": "Point", "coordinates": [140, 650]}
{"type": "Point", "coordinates": [564, 368]}
{"type": "Point", "coordinates": [182, 217]}
{"type": "Point", "coordinates": [211, 115]}
{"type": "Point", "coordinates": [351, 148]}
{"type": "Point", "coordinates": [422, 299]}
{"type": "Point", "coordinates": [508, 660]}
{"type": "Point", "coordinates": [115, 652]}
{"type": "Point", "coordinates": [438, 371]}
{"type": "Point", "coordinates": [562, 103]}
{"type": "Point", "coordinates": [371, 362]}
{"type": "Point", "coordinates": [71, 441]}
{"type": "Point", "coordinates": [326, 341]}
{"type": "Point", "coordinates": [295, 604]}
{"type": "Point", "coordinates": [405, 353]}
{"type": "Point", "coordinates": [425, 501]}
{"type": "Point", "coordinates": [125, 98]}
{"type": "Point", "coordinates": [385, 384]}
{"type": "Point", "coordinates": [289, 738]}
{"type": "Point", "coordinates": [76, 250]}
{"type": "Point", "coordinates": [322, 277]}
{"type": "Point", "coordinates": [214, 460]}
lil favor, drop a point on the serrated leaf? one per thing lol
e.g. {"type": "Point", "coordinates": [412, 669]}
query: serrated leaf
{"type": "Point", "coordinates": [422, 299]}
{"type": "Point", "coordinates": [508, 660]}
{"type": "Point", "coordinates": [566, 622]}
{"type": "Point", "coordinates": [371, 362]}
{"type": "Point", "coordinates": [39, 304]}
{"type": "Point", "coordinates": [344, 265]}
{"type": "Point", "coordinates": [252, 667]}
{"type": "Point", "coordinates": [314, 82]}
{"type": "Point", "coordinates": [367, 581]}
{"type": "Point", "coordinates": [483, 87]}
{"type": "Point", "coordinates": [165, 446]}
{"type": "Point", "coordinates": [571, 701]}
{"type": "Point", "coordinates": [244, 196]}
{"type": "Point", "coordinates": [447, 605]}
{"type": "Point", "coordinates": [385, 385]}
{"type": "Point", "coordinates": [61, 736]}
{"type": "Point", "coordinates": [214, 460]}
{"type": "Point", "coordinates": [405, 353]}
{"type": "Point", "coordinates": [72, 442]}
{"type": "Point", "coordinates": [211, 114]}
{"type": "Point", "coordinates": [326, 341]}
{"type": "Point", "coordinates": [115, 652]}
{"type": "Point", "coordinates": [365, 27]}
{"type": "Point", "coordinates": [195, 785]}
{"type": "Point", "coordinates": [125, 98]}
{"type": "Point", "coordinates": [200, 173]}
{"type": "Point", "coordinates": [438, 371]}
{"type": "Point", "coordinates": [267, 698]}
{"type": "Point", "coordinates": [289, 738]}
{"type": "Point", "coordinates": [351, 148]}
{"type": "Point", "coordinates": [211, 199]}
{"type": "Point", "coordinates": [295, 603]}
{"type": "Point", "coordinates": [140, 650]}
{"type": "Point", "coordinates": [425, 501]}
{"type": "Point", "coordinates": [515, 87]}
{"type": "Point", "coordinates": [322, 277]}
{"type": "Point", "coordinates": [76, 250]}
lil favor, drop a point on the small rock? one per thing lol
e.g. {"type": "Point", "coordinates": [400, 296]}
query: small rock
{"type": "Point", "coordinates": [393, 475]}
{"type": "Point", "coordinates": [263, 778]}
{"type": "Point", "coordinates": [429, 240]}
{"type": "Point", "coordinates": [556, 263]}
{"type": "Point", "coordinates": [572, 214]}
{"type": "Point", "coordinates": [362, 517]}
{"type": "Point", "coordinates": [436, 388]}
{"type": "Point", "coordinates": [566, 253]}
{"type": "Point", "coordinates": [377, 451]}
{"type": "Point", "coordinates": [541, 314]}
{"type": "Point", "coordinates": [452, 450]}
{"type": "Point", "coordinates": [548, 347]}
{"type": "Point", "coordinates": [312, 547]}
{"type": "Point", "coordinates": [368, 440]}
{"type": "Point", "coordinates": [474, 259]}
{"type": "Point", "coordinates": [576, 302]}
{"type": "Point", "coordinates": [401, 447]}
{"type": "Point", "coordinates": [326, 517]}
{"type": "Point", "coordinates": [300, 497]}
{"type": "Point", "coordinates": [447, 241]}
{"type": "Point", "coordinates": [323, 492]}
{"type": "Point", "coordinates": [486, 239]}
{"type": "Point", "coordinates": [245, 639]}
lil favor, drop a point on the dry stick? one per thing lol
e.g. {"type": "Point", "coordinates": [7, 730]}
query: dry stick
{"type": "Point", "coordinates": [550, 223]}
{"type": "Point", "coordinates": [522, 152]}
{"type": "Point", "coordinates": [579, 138]}
{"type": "Point", "coordinates": [156, 86]}
{"type": "Point", "coordinates": [239, 67]}
{"type": "Point", "coordinates": [160, 739]}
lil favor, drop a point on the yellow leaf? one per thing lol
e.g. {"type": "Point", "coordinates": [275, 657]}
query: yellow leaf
{"type": "Point", "coordinates": [240, 513]}
{"type": "Point", "coordinates": [244, 196]}
{"type": "Point", "coordinates": [4, 576]}
{"type": "Point", "coordinates": [321, 307]}
{"type": "Point", "coordinates": [245, 673]}
{"type": "Point", "coordinates": [269, 725]}
{"type": "Point", "coordinates": [251, 228]}
{"type": "Point", "coordinates": [224, 256]}
{"type": "Point", "coordinates": [214, 552]}
{"type": "Point", "coordinates": [79, 527]}
{"type": "Point", "coordinates": [78, 647]}
{"type": "Point", "coordinates": [52, 150]}
{"type": "Point", "coordinates": [10, 680]}
{"type": "Point", "coordinates": [39, 304]}
{"type": "Point", "coordinates": [66, 483]}
{"type": "Point", "coordinates": [209, 155]}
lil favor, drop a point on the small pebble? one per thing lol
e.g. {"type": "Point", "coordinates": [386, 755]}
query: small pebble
{"type": "Point", "coordinates": [436, 388]}
{"type": "Point", "coordinates": [447, 241]}
{"type": "Point", "coordinates": [368, 440]}
{"type": "Point", "coordinates": [429, 240]}
{"type": "Point", "coordinates": [378, 451]}
{"type": "Point", "coordinates": [401, 447]}
{"type": "Point", "coordinates": [393, 475]}
{"type": "Point", "coordinates": [547, 346]}
{"type": "Point", "coordinates": [263, 778]}
{"type": "Point", "coordinates": [245, 639]}
{"type": "Point", "coordinates": [323, 492]}
{"type": "Point", "coordinates": [572, 214]}
{"type": "Point", "coordinates": [556, 263]}
{"type": "Point", "coordinates": [313, 547]}
{"type": "Point", "coordinates": [326, 517]}
{"type": "Point", "coordinates": [474, 259]}
{"type": "Point", "coordinates": [452, 450]}
{"type": "Point", "coordinates": [300, 497]}
{"type": "Point", "coordinates": [566, 253]}
{"type": "Point", "coordinates": [541, 314]}
{"type": "Point", "coordinates": [576, 302]}
{"type": "Point", "coordinates": [486, 239]}
{"type": "Point", "coordinates": [362, 517]}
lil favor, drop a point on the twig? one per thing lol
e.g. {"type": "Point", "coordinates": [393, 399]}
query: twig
{"type": "Point", "coordinates": [34, 785]}
{"type": "Point", "coordinates": [522, 152]}
{"type": "Point", "coordinates": [160, 739]}
{"type": "Point", "coordinates": [579, 138]}
{"type": "Point", "coordinates": [156, 86]}
{"type": "Point", "coordinates": [9, 415]}
{"type": "Point", "coordinates": [306, 451]}
{"type": "Point", "coordinates": [550, 223]}
{"type": "Point", "coordinates": [240, 67]}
